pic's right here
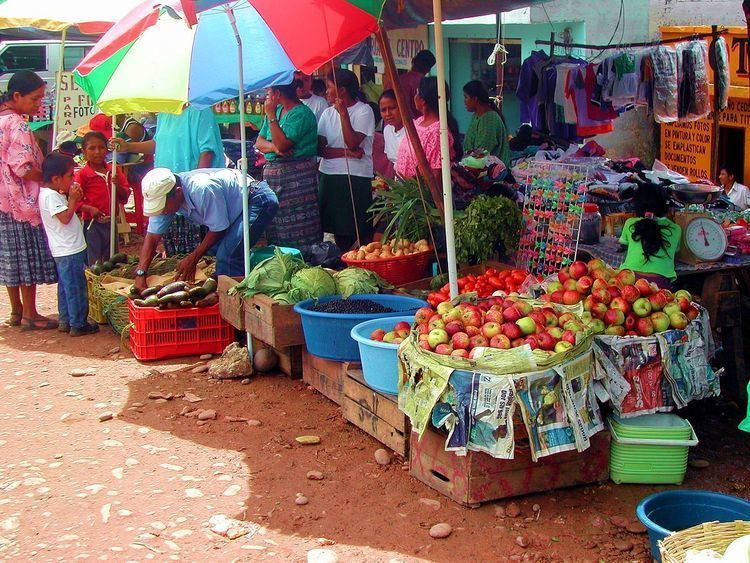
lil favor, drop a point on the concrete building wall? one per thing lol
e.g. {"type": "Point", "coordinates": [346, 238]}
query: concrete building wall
{"type": "Point", "coordinates": [694, 12]}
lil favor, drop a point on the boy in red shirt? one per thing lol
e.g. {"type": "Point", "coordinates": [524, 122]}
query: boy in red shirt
{"type": "Point", "coordinates": [94, 179]}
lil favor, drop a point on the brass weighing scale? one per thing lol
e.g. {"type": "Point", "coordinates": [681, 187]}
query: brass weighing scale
{"type": "Point", "coordinates": [703, 239]}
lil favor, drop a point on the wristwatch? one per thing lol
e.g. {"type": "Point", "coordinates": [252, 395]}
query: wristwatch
{"type": "Point", "coordinates": [273, 120]}
{"type": "Point", "coordinates": [140, 272]}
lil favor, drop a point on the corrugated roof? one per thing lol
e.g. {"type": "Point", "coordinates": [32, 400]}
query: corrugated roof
{"type": "Point", "coordinates": [409, 13]}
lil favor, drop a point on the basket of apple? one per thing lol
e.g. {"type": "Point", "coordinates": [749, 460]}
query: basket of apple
{"type": "Point", "coordinates": [488, 328]}
{"type": "Point", "coordinates": [619, 303]}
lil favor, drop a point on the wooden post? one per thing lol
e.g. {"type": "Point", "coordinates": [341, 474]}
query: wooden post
{"type": "Point", "coordinates": [411, 131]}
{"type": "Point", "coordinates": [715, 125]}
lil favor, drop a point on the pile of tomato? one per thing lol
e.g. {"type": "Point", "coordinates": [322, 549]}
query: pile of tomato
{"type": "Point", "coordinates": [484, 285]}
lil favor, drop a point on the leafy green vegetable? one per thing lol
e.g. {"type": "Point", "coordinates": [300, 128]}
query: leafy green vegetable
{"type": "Point", "coordinates": [311, 283]}
{"type": "Point", "coordinates": [283, 298]}
{"type": "Point", "coordinates": [354, 281]}
{"type": "Point", "coordinates": [403, 209]}
{"type": "Point", "coordinates": [487, 222]}
{"type": "Point", "coordinates": [271, 276]}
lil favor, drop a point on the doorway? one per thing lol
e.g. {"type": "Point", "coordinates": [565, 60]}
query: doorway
{"type": "Point", "coordinates": [732, 150]}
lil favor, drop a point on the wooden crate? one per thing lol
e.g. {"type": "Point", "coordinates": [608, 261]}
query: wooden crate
{"type": "Point", "coordinates": [376, 413]}
{"type": "Point", "coordinates": [424, 284]}
{"type": "Point", "coordinates": [290, 358]}
{"type": "Point", "coordinates": [231, 306]}
{"type": "Point", "coordinates": [479, 477]}
{"type": "Point", "coordinates": [326, 376]}
{"type": "Point", "coordinates": [275, 324]}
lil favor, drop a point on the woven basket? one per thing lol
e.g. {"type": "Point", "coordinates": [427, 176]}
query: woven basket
{"type": "Point", "coordinates": [710, 535]}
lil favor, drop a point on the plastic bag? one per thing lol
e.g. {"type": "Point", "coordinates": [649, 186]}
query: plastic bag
{"type": "Point", "coordinates": [325, 254]}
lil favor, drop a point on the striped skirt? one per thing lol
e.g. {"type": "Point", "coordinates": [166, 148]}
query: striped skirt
{"type": "Point", "coordinates": [295, 182]}
{"type": "Point", "coordinates": [25, 258]}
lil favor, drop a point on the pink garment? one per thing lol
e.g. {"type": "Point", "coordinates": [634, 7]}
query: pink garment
{"type": "Point", "coordinates": [19, 153]}
{"type": "Point", "coordinates": [429, 137]}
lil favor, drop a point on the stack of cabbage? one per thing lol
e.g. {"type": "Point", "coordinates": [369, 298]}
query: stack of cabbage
{"type": "Point", "coordinates": [288, 280]}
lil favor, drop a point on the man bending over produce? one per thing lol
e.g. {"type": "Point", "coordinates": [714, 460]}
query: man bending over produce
{"type": "Point", "coordinates": [211, 197]}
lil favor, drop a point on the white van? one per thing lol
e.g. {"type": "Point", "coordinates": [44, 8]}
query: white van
{"type": "Point", "coordinates": [41, 56]}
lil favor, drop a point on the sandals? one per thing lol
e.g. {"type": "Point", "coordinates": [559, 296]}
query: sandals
{"type": "Point", "coordinates": [48, 324]}
{"type": "Point", "coordinates": [14, 319]}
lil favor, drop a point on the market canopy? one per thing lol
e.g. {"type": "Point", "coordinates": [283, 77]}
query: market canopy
{"type": "Point", "coordinates": [410, 13]}
{"type": "Point", "coordinates": [89, 16]}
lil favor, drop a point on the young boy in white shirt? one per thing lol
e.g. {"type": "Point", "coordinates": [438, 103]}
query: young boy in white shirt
{"type": "Point", "coordinates": [66, 242]}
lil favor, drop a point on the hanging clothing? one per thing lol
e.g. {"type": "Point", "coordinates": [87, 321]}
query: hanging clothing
{"type": "Point", "coordinates": [528, 87]}
{"type": "Point", "coordinates": [721, 72]}
{"type": "Point", "coordinates": [694, 93]}
{"type": "Point", "coordinates": [581, 96]}
{"type": "Point", "coordinates": [666, 95]}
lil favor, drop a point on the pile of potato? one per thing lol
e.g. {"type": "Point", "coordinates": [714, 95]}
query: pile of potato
{"type": "Point", "coordinates": [389, 249]}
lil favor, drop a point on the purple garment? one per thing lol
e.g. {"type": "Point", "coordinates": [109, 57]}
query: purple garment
{"type": "Point", "coordinates": [527, 89]}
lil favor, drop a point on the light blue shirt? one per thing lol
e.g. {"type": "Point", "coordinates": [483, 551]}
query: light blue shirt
{"type": "Point", "coordinates": [180, 139]}
{"type": "Point", "coordinates": [213, 198]}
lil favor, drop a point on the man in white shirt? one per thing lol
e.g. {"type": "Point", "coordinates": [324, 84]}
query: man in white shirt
{"type": "Point", "coordinates": [317, 104]}
{"type": "Point", "coordinates": [737, 193]}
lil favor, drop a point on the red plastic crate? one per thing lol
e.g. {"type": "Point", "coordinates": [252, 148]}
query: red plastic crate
{"type": "Point", "coordinates": [157, 334]}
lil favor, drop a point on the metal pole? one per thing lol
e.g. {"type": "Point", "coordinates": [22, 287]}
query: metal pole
{"type": "Point", "coordinates": [113, 202]}
{"type": "Point", "coordinates": [499, 66]}
{"type": "Point", "coordinates": [58, 79]}
{"type": "Point", "coordinates": [445, 152]}
{"type": "Point", "coordinates": [243, 161]}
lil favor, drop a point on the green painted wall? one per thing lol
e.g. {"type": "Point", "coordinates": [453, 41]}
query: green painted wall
{"type": "Point", "coordinates": [458, 59]}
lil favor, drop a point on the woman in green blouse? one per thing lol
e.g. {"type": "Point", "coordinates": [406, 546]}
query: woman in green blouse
{"type": "Point", "coordinates": [289, 140]}
{"type": "Point", "coordinates": [487, 128]}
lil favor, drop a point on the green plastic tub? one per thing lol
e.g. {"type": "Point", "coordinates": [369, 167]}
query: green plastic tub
{"type": "Point", "coordinates": [260, 253]}
{"type": "Point", "coordinates": [650, 449]}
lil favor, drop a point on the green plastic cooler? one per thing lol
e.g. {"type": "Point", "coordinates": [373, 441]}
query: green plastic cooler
{"type": "Point", "coordinates": [650, 449]}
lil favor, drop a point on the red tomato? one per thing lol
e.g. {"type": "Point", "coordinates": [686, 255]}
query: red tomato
{"type": "Point", "coordinates": [496, 282]}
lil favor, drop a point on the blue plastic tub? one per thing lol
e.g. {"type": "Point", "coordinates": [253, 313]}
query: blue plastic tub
{"type": "Point", "coordinates": [672, 511]}
{"type": "Point", "coordinates": [379, 359]}
{"type": "Point", "coordinates": [328, 335]}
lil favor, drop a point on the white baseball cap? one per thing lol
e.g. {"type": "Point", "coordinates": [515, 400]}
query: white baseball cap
{"type": "Point", "coordinates": [155, 186]}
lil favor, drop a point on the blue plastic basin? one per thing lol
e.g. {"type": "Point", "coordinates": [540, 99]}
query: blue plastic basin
{"type": "Point", "coordinates": [328, 335]}
{"type": "Point", "coordinates": [672, 511]}
{"type": "Point", "coordinates": [379, 359]}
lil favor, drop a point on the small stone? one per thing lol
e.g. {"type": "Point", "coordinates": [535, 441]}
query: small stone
{"type": "Point", "coordinates": [232, 490]}
{"type": "Point", "coordinates": [114, 350]}
{"type": "Point", "coordinates": [500, 512]}
{"type": "Point", "coordinates": [382, 457]}
{"type": "Point", "coordinates": [429, 503]}
{"type": "Point", "coordinates": [322, 556]}
{"type": "Point", "coordinates": [77, 372]}
{"type": "Point", "coordinates": [200, 369]}
{"type": "Point", "coordinates": [193, 493]}
{"type": "Point", "coordinates": [698, 463]}
{"type": "Point", "coordinates": [253, 422]}
{"type": "Point", "coordinates": [137, 405]}
{"type": "Point", "coordinates": [161, 401]}
{"type": "Point", "coordinates": [301, 500]}
{"type": "Point", "coordinates": [536, 508]}
{"type": "Point", "coordinates": [308, 440]}
{"type": "Point", "coordinates": [105, 416]}
{"type": "Point", "coordinates": [235, 419]}
{"type": "Point", "coordinates": [623, 545]}
{"type": "Point", "coordinates": [522, 541]}
{"type": "Point", "coordinates": [440, 531]}
{"type": "Point", "coordinates": [237, 532]}
{"type": "Point", "coordinates": [160, 395]}
{"type": "Point", "coordinates": [315, 475]}
{"type": "Point", "coordinates": [205, 357]}
{"type": "Point", "coordinates": [203, 422]}
{"type": "Point", "coordinates": [190, 398]}
{"type": "Point", "coordinates": [208, 414]}
{"type": "Point", "coordinates": [619, 521]}
{"type": "Point", "coordinates": [513, 510]}
{"type": "Point", "coordinates": [245, 381]}
{"type": "Point", "coordinates": [635, 527]}
{"type": "Point", "coordinates": [186, 410]}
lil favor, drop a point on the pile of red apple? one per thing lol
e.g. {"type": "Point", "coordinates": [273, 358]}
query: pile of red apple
{"type": "Point", "coordinates": [617, 303]}
{"type": "Point", "coordinates": [495, 323]}
{"type": "Point", "coordinates": [396, 336]}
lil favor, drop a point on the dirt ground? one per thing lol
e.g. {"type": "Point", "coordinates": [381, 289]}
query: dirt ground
{"type": "Point", "coordinates": [144, 485]}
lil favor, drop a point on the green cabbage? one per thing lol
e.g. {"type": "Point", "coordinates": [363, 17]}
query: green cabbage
{"type": "Point", "coordinates": [271, 276]}
{"type": "Point", "coordinates": [311, 283]}
{"type": "Point", "coordinates": [354, 281]}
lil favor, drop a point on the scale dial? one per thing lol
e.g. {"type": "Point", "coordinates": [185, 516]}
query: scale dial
{"type": "Point", "coordinates": [706, 239]}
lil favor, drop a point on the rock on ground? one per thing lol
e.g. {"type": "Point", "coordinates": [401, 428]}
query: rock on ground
{"type": "Point", "coordinates": [233, 363]}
